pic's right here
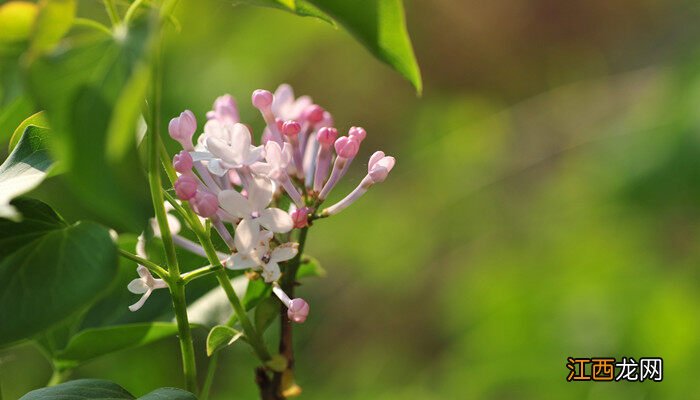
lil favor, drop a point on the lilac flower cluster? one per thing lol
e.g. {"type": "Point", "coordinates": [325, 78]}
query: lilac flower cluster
{"type": "Point", "coordinates": [229, 180]}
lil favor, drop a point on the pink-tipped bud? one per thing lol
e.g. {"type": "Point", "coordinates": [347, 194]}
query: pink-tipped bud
{"type": "Point", "coordinates": [205, 204]}
{"type": "Point", "coordinates": [291, 128]}
{"type": "Point", "coordinates": [357, 133]}
{"type": "Point", "coordinates": [262, 99]}
{"type": "Point", "coordinates": [186, 187]}
{"type": "Point", "coordinates": [346, 147]}
{"type": "Point", "coordinates": [300, 217]}
{"type": "Point", "coordinates": [298, 310]}
{"type": "Point", "coordinates": [183, 162]}
{"type": "Point", "coordinates": [314, 113]}
{"type": "Point", "coordinates": [182, 128]}
{"type": "Point", "coordinates": [327, 136]}
{"type": "Point", "coordinates": [224, 109]}
{"type": "Point", "coordinates": [379, 166]}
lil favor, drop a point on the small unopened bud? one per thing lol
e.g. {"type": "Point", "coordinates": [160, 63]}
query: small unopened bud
{"type": "Point", "coordinates": [183, 162]}
{"type": "Point", "coordinates": [300, 217]}
{"type": "Point", "coordinates": [186, 187]}
{"type": "Point", "coordinates": [182, 129]}
{"type": "Point", "coordinates": [225, 109]}
{"type": "Point", "coordinates": [262, 99]}
{"type": "Point", "coordinates": [291, 128]}
{"type": "Point", "coordinates": [314, 113]}
{"type": "Point", "coordinates": [346, 147]}
{"type": "Point", "coordinates": [205, 204]}
{"type": "Point", "coordinates": [298, 310]}
{"type": "Point", "coordinates": [327, 136]}
{"type": "Point", "coordinates": [357, 133]}
{"type": "Point", "coordinates": [379, 166]}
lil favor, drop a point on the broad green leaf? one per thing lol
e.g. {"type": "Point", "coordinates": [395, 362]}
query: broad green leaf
{"type": "Point", "coordinates": [221, 336]}
{"type": "Point", "coordinates": [310, 267]}
{"type": "Point", "coordinates": [12, 114]}
{"type": "Point", "coordinates": [300, 7]}
{"type": "Point", "coordinates": [266, 312]}
{"type": "Point", "coordinates": [169, 394]}
{"type": "Point", "coordinates": [49, 270]}
{"type": "Point", "coordinates": [38, 120]}
{"type": "Point", "coordinates": [93, 343]}
{"type": "Point", "coordinates": [54, 20]}
{"type": "Point", "coordinates": [98, 389]}
{"type": "Point", "coordinates": [81, 86]}
{"type": "Point", "coordinates": [24, 169]}
{"type": "Point", "coordinates": [92, 389]}
{"type": "Point", "coordinates": [380, 25]}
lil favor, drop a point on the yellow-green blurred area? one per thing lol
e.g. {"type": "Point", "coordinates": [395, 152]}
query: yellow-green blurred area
{"type": "Point", "coordinates": [545, 201]}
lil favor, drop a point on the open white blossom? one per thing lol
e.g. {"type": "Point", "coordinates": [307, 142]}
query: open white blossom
{"type": "Point", "coordinates": [227, 146]}
{"type": "Point", "coordinates": [144, 285]}
{"type": "Point", "coordinates": [254, 213]}
{"type": "Point", "coordinates": [285, 106]}
{"type": "Point", "coordinates": [261, 258]}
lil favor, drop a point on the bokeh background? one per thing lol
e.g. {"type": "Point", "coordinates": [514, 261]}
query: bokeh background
{"type": "Point", "coordinates": [545, 203]}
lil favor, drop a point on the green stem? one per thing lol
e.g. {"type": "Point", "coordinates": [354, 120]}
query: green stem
{"type": "Point", "coordinates": [177, 288]}
{"type": "Point", "coordinates": [153, 267]}
{"type": "Point", "coordinates": [112, 11]}
{"type": "Point", "coordinates": [59, 376]}
{"type": "Point", "coordinates": [198, 273]}
{"type": "Point", "coordinates": [209, 380]}
{"type": "Point", "coordinates": [131, 11]}
{"type": "Point", "coordinates": [88, 23]}
{"type": "Point", "coordinates": [251, 334]}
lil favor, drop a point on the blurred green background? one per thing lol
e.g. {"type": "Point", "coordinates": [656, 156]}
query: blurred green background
{"type": "Point", "coordinates": [545, 202]}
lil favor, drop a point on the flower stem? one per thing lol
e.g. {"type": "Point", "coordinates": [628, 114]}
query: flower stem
{"type": "Point", "coordinates": [287, 282]}
{"type": "Point", "coordinates": [177, 289]}
{"type": "Point", "coordinates": [153, 267]}
{"type": "Point", "coordinates": [209, 380]}
{"type": "Point", "coordinates": [112, 11]}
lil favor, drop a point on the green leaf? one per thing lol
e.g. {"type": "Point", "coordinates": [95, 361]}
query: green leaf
{"type": "Point", "coordinates": [92, 91]}
{"type": "Point", "coordinates": [98, 389]}
{"type": "Point", "coordinates": [221, 336]}
{"type": "Point", "coordinates": [93, 389]}
{"type": "Point", "coordinates": [380, 25]}
{"type": "Point", "coordinates": [24, 169]}
{"type": "Point", "coordinates": [38, 120]}
{"type": "Point", "coordinates": [300, 7]}
{"type": "Point", "coordinates": [93, 343]}
{"type": "Point", "coordinates": [266, 312]}
{"type": "Point", "coordinates": [12, 114]}
{"type": "Point", "coordinates": [54, 20]}
{"type": "Point", "coordinates": [49, 270]}
{"type": "Point", "coordinates": [169, 394]}
{"type": "Point", "coordinates": [310, 267]}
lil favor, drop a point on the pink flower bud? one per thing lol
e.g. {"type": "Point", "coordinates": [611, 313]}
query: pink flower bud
{"type": "Point", "coordinates": [262, 99]}
{"type": "Point", "coordinates": [314, 113]}
{"type": "Point", "coordinates": [182, 128]}
{"type": "Point", "coordinates": [186, 187]}
{"type": "Point", "coordinates": [357, 133]}
{"type": "Point", "coordinates": [379, 166]}
{"type": "Point", "coordinates": [205, 204]}
{"type": "Point", "coordinates": [298, 310]}
{"type": "Point", "coordinates": [326, 136]}
{"type": "Point", "coordinates": [224, 109]}
{"type": "Point", "coordinates": [183, 162]}
{"type": "Point", "coordinates": [346, 147]}
{"type": "Point", "coordinates": [291, 128]}
{"type": "Point", "coordinates": [301, 217]}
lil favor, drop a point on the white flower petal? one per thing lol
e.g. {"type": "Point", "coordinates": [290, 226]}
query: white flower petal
{"type": "Point", "coordinates": [217, 167]}
{"type": "Point", "coordinates": [234, 203]}
{"type": "Point", "coordinates": [254, 154]}
{"type": "Point", "coordinates": [240, 142]}
{"type": "Point", "coordinates": [261, 168]}
{"type": "Point", "coordinates": [136, 306]}
{"type": "Point", "coordinates": [247, 233]}
{"type": "Point", "coordinates": [138, 286]}
{"type": "Point", "coordinates": [276, 220]}
{"type": "Point", "coordinates": [240, 261]}
{"type": "Point", "coordinates": [260, 193]}
{"type": "Point", "coordinates": [284, 252]}
{"type": "Point", "coordinates": [271, 272]}
{"type": "Point", "coordinates": [201, 155]}
{"type": "Point", "coordinates": [220, 149]}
